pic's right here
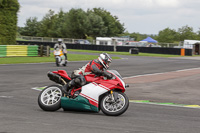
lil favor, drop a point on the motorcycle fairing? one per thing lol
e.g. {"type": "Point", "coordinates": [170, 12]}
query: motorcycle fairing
{"type": "Point", "coordinates": [88, 99]}
{"type": "Point", "coordinates": [117, 82]}
{"type": "Point", "coordinates": [79, 103]}
{"type": "Point", "coordinates": [62, 73]}
{"type": "Point", "coordinates": [92, 92]}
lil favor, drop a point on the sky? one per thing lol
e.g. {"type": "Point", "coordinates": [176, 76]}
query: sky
{"type": "Point", "coordinates": [143, 16]}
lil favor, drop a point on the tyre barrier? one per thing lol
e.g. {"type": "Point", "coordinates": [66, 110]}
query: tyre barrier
{"type": "Point", "coordinates": [18, 50]}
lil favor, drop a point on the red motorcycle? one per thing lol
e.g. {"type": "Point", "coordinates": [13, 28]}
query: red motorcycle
{"type": "Point", "coordinates": [98, 94]}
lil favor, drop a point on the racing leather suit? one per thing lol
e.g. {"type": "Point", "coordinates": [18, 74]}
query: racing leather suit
{"type": "Point", "coordinates": [63, 47]}
{"type": "Point", "coordinates": [77, 76]}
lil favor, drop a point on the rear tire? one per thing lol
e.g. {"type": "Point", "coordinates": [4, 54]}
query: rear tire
{"type": "Point", "coordinates": [50, 98]}
{"type": "Point", "coordinates": [114, 108]}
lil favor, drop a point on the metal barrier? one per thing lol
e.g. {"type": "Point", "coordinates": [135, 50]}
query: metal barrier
{"type": "Point", "coordinates": [54, 40]}
{"type": "Point", "coordinates": [18, 50]}
{"type": "Point", "coordinates": [44, 50]}
{"type": "Point", "coordinates": [156, 50]}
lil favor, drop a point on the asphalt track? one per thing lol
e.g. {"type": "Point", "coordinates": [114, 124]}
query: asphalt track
{"type": "Point", "coordinates": [20, 113]}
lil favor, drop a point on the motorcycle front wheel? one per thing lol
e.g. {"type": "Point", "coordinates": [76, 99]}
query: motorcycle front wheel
{"type": "Point", "coordinates": [50, 98]}
{"type": "Point", "coordinates": [57, 62]}
{"type": "Point", "coordinates": [114, 108]}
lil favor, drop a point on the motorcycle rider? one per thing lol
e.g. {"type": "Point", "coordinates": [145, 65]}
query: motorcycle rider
{"type": "Point", "coordinates": [95, 66]}
{"type": "Point", "coordinates": [61, 46]}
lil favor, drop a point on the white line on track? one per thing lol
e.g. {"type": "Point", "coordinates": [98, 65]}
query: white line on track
{"type": "Point", "coordinates": [6, 96]}
{"type": "Point", "coordinates": [161, 73]}
{"type": "Point", "coordinates": [36, 88]}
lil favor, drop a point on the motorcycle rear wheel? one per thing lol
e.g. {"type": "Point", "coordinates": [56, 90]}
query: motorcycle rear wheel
{"type": "Point", "coordinates": [115, 108]}
{"type": "Point", "coordinates": [50, 98]}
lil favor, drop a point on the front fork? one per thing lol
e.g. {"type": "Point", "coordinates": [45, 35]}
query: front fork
{"type": "Point", "coordinates": [64, 82]}
{"type": "Point", "coordinates": [114, 95]}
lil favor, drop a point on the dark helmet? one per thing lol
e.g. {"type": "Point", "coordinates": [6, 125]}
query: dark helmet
{"type": "Point", "coordinates": [105, 60]}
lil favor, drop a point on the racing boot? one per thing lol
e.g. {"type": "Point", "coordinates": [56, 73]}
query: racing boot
{"type": "Point", "coordinates": [65, 57]}
{"type": "Point", "coordinates": [68, 87]}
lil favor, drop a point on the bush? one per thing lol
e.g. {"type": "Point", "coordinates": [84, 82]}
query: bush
{"type": "Point", "coordinates": [8, 21]}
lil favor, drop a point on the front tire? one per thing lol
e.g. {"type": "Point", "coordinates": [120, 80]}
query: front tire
{"type": "Point", "coordinates": [57, 62]}
{"type": "Point", "coordinates": [115, 108]}
{"type": "Point", "coordinates": [50, 98]}
{"type": "Point", "coordinates": [65, 63]}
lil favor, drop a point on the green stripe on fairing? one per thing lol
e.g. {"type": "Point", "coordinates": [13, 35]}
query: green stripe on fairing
{"type": "Point", "coordinates": [79, 103]}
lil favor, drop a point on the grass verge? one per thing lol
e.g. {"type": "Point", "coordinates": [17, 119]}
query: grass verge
{"type": "Point", "coordinates": [71, 57]}
{"type": "Point", "coordinates": [19, 39]}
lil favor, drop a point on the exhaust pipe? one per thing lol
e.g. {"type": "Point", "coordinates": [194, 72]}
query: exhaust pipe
{"type": "Point", "coordinates": [54, 77]}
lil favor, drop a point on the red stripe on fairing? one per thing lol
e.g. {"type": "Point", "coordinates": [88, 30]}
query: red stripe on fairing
{"type": "Point", "coordinates": [104, 87]}
{"type": "Point", "coordinates": [93, 103]}
{"type": "Point", "coordinates": [94, 83]}
{"type": "Point", "coordinates": [91, 100]}
{"type": "Point", "coordinates": [100, 86]}
{"type": "Point", "coordinates": [88, 97]}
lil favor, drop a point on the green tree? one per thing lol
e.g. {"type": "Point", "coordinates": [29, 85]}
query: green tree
{"type": "Point", "coordinates": [198, 34]}
{"type": "Point", "coordinates": [46, 25]}
{"type": "Point", "coordinates": [186, 32]}
{"type": "Point", "coordinates": [76, 24]}
{"type": "Point", "coordinates": [167, 35]}
{"type": "Point", "coordinates": [8, 21]}
{"type": "Point", "coordinates": [31, 27]}
{"type": "Point", "coordinates": [58, 24]}
{"type": "Point", "coordinates": [113, 25]}
{"type": "Point", "coordinates": [96, 26]}
{"type": "Point", "coordinates": [138, 36]}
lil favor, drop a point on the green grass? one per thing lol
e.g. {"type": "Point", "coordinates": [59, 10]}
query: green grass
{"type": "Point", "coordinates": [19, 39]}
{"type": "Point", "coordinates": [126, 53]}
{"type": "Point", "coordinates": [196, 55]}
{"type": "Point", "coordinates": [71, 57]}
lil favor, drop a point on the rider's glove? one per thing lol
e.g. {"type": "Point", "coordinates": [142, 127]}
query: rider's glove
{"type": "Point", "coordinates": [108, 75]}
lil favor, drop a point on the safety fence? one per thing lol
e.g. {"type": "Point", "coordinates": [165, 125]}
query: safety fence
{"type": "Point", "coordinates": [156, 50]}
{"type": "Point", "coordinates": [18, 50]}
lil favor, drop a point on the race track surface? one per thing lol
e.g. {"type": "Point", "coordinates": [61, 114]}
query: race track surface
{"type": "Point", "coordinates": [20, 113]}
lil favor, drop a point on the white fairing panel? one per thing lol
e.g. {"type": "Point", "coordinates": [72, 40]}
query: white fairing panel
{"type": "Point", "coordinates": [57, 53]}
{"type": "Point", "coordinates": [93, 91]}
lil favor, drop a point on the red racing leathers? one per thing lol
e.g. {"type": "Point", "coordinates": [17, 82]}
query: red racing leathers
{"type": "Point", "coordinates": [77, 76]}
{"type": "Point", "coordinates": [93, 66]}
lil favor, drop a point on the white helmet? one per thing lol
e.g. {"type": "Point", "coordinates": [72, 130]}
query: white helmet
{"type": "Point", "coordinates": [60, 40]}
{"type": "Point", "coordinates": [105, 60]}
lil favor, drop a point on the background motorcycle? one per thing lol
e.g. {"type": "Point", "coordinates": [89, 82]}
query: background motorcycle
{"type": "Point", "coordinates": [98, 94]}
{"type": "Point", "coordinates": [60, 58]}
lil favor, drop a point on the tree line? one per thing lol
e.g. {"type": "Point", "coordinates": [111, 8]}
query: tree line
{"type": "Point", "coordinates": [96, 22]}
{"type": "Point", "coordinates": [76, 23]}
{"type": "Point", "coordinates": [168, 35]}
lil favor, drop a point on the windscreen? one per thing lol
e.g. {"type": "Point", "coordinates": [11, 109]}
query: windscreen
{"type": "Point", "coordinates": [116, 73]}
